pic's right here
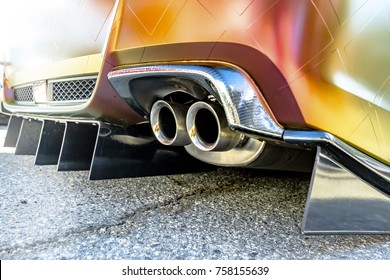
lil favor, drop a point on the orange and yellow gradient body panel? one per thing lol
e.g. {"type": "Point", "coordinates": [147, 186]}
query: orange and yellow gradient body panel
{"type": "Point", "coordinates": [319, 64]}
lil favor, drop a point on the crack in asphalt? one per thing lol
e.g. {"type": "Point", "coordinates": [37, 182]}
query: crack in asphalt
{"type": "Point", "coordinates": [121, 221]}
{"type": "Point", "coordinates": [96, 229]}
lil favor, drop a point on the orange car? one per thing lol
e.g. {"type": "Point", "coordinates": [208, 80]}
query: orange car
{"type": "Point", "coordinates": [136, 88]}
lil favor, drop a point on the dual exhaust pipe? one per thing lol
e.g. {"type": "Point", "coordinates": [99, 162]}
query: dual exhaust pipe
{"type": "Point", "coordinates": [202, 124]}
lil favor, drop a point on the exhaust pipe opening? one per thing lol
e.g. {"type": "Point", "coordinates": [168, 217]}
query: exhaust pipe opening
{"type": "Point", "coordinates": [207, 134]}
{"type": "Point", "coordinates": [168, 123]}
{"type": "Point", "coordinates": [208, 128]}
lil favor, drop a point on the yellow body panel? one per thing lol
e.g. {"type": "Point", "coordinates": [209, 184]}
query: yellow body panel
{"type": "Point", "coordinates": [61, 39]}
{"type": "Point", "coordinates": [78, 66]}
{"type": "Point", "coordinates": [48, 35]}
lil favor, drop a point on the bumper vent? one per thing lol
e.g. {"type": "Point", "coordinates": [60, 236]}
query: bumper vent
{"type": "Point", "coordinates": [72, 90]}
{"type": "Point", "coordinates": [69, 90]}
{"type": "Point", "coordinates": [23, 94]}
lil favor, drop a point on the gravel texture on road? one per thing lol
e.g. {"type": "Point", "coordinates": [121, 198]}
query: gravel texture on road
{"type": "Point", "coordinates": [224, 214]}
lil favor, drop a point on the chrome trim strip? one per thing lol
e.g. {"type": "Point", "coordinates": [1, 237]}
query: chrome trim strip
{"type": "Point", "coordinates": [45, 109]}
{"type": "Point", "coordinates": [242, 100]}
{"type": "Point", "coordinates": [25, 103]}
{"type": "Point", "coordinates": [22, 86]}
{"type": "Point", "coordinates": [323, 138]}
{"type": "Point", "coordinates": [68, 102]}
{"type": "Point", "coordinates": [76, 78]}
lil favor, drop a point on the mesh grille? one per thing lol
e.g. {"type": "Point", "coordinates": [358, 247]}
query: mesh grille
{"type": "Point", "coordinates": [73, 90]}
{"type": "Point", "coordinates": [24, 94]}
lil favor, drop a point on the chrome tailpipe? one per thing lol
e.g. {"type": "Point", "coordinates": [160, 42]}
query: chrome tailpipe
{"type": "Point", "coordinates": [168, 123]}
{"type": "Point", "coordinates": [208, 128]}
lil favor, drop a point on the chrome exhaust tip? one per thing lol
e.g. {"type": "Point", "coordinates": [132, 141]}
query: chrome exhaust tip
{"type": "Point", "coordinates": [168, 123]}
{"type": "Point", "coordinates": [208, 128]}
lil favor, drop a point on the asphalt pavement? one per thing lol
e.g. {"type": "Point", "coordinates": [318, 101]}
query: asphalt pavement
{"type": "Point", "coordinates": [224, 214]}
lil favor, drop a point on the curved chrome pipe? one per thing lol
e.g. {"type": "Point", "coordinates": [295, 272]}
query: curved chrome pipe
{"type": "Point", "coordinates": [168, 123]}
{"type": "Point", "coordinates": [208, 128]}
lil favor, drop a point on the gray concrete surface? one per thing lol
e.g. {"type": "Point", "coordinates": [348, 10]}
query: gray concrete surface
{"type": "Point", "coordinates": [226, 214]}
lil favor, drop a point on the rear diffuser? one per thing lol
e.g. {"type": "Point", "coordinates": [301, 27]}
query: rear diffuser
{"type": "Point", "coordinates": [341, 202]}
